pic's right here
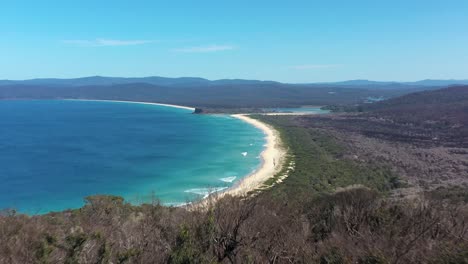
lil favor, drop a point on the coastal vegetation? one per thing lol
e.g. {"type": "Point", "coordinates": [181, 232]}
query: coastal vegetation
{"type": "Point", "coordinates": [319, 163]}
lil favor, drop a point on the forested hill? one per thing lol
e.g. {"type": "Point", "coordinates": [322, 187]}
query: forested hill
{"type": "Point", "coordinates": [228, 94]}
{"type": "Point", "coordinates": [438, 115]}
{"type": "Point", "coordinates": [449, 105]}
{"type": "Point", "coordinates": [457, 95]}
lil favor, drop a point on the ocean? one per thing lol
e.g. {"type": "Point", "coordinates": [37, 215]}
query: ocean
{"type": "Point", "coordinates": [55, 153]}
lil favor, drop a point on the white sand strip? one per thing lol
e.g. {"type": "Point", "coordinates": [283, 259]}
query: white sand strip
{"type": "Point", "coordinates": [272, 159]}
{"type": "Point", "coordinates": [273, 156]}
{"type": "Point", "coordinates": [134, 102]}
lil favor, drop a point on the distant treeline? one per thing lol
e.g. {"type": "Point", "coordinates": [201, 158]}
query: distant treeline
{"type": "Point", "coordinates": [214, 96]}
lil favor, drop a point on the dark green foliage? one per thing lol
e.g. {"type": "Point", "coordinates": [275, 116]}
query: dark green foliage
{"type": "Point", "coordinates": [103, 254]}
{"type": "Point", "coordinates": [372, 259]}
{"type": "Point", "coordinates": [127, 255]}
{"type": "Point", "coordinates": [74, 243]}
{"type": "Point", "coordinates": [319, 212]}
{"type": "Point", "coordinates": [319, 166]}
{"type": "Point", "coordinates": [332, 257]}
{"type": "Point", "coordinates": [45, 248]}
{"type": "Point", "coordinates": [454, 194]}
{"type": "Point", "coordinates": [341, 108]}
{"type": "Point", "coordinates": [198, 111]}
{"type": "Point", "coordinates": [457, 255]}
{"type": "Point", "coordinates": [185, 251]}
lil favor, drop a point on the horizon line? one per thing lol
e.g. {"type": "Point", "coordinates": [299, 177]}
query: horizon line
{"type": "Point", "coordinates": [246, 79]}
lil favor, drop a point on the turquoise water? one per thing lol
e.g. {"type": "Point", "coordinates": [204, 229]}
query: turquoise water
{"type": "Point", "coordinates": [54, 153]}
{"type": "Point", "coordinates": [372, 99]}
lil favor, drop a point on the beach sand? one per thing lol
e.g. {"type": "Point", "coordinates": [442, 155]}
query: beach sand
{"type": "Point", "coordinates": [135, 102]}
{"type": "Point", "coordinates": [273, 157]}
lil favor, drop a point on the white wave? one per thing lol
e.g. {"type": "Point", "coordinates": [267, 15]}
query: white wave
{"type": "Point", "coordinates": [251, 144]}
{"type": "Point", "coordinates": [228, 179]}
{"type": "Point", "coordinates": [244, 154]}
{"type": "Point", "coordinates": [175, 204]}
{"type": "Point", "coordinates": [205, 191]}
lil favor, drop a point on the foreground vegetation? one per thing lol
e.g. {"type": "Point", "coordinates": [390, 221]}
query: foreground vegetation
{"type": "Point", "coordinates": [331, 209]}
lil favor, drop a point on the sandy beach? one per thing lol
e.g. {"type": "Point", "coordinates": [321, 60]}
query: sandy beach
{"type": "Point", "coordinates": [272, 156]}
{"type": "Point", "coordinates": [272, 159]}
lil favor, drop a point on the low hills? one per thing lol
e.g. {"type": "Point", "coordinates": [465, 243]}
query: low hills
{"type": "Point", "coordinates": [195, 81]}
{"type": "Point", "coordinates": [216, 96]}
{"type": "Point", "coordinates": [443, 112]}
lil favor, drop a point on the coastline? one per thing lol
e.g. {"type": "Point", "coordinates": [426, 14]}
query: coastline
{"type": "Point", "coordinates": [134, 102]}
{"type": "Point", "coordinates": [272, 156]}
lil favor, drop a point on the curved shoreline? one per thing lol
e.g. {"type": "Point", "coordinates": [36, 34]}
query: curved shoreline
{"type": "Point", "coordinates": [272, 156]}
{"type": "Point", "coordinates": [134, 102]}
{"type": "Point", "coordinates": [272, 159]}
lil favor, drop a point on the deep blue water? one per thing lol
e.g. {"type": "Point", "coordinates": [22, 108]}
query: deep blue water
{"type": "Point", "coordinates": [54, 153]}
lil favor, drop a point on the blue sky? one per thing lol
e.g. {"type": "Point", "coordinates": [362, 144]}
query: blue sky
{"type": "Point", "coordinates": [290, 41]}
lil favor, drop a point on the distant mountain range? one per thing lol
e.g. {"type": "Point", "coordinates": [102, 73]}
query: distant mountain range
{"type": "Point", "coordinates": [367, 83]}
{"type": "Point", "coordinates": [195, 81]}
{"type": "Point", "coordinates": [154, 80]}
{"type": "Point", "coordinates": [219, 94]}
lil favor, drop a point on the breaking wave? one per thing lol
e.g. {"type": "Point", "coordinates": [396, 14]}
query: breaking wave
{"type": "Point", "coordinates": [228, 179]}
{"type": "Point", "coordinates": [205, 192]}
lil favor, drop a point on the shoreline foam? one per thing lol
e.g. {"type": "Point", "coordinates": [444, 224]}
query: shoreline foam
{"type": "Point", "coordinates": [272, 156]}
{"type": "Point", "coordinates": [272, 160]}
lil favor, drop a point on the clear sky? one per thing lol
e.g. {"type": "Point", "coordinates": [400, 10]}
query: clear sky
{"type": "Point", "coordinates": [290, 41]}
